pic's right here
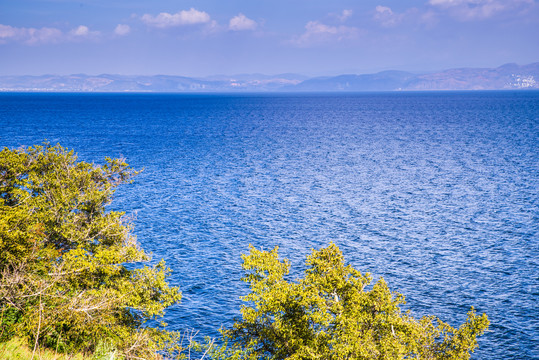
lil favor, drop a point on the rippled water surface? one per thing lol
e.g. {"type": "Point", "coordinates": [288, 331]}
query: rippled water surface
{"type": "Point", "coordinates": [436, 192]}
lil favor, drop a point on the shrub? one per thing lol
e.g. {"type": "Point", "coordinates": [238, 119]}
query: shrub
{"type": "Point", "coordinates": [64, 283]}
{"type": "Point", "coordinates": [330, 314]}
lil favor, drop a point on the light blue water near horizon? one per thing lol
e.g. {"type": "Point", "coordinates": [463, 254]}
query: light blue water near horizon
{"type": "Point", "coordinates": [436, 192]}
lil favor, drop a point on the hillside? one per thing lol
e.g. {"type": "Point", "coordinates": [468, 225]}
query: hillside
{"type": "Point", "coordinates": [505, 77]}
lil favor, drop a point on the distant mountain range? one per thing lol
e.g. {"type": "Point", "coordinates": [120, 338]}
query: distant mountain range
{"type": "Point", "coordinates": [506, 77]}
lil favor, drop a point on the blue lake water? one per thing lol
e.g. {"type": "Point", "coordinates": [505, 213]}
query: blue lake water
{"type": "Point", "coordinates": [436, 192]}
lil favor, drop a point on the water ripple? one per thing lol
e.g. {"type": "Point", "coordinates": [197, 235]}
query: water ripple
{"type": "Point", "coordinates": [436, 192]}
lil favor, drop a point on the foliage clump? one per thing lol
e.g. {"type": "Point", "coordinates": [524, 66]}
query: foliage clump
{"type": "Point", "coordinates": [330, 314]}
{"type": "Point", "coordinates": [64, 283]}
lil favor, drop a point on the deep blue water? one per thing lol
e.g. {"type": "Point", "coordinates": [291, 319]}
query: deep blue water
{"type": "Point", "coordinates": [436, 192]}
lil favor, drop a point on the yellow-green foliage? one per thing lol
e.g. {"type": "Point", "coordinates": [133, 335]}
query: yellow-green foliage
{"type": "Point", "coordinates": [329, 314]}
{"type": "Point", "coordinates": [64, 283]}
{"type": "Point", "coordinates": [17, 349]}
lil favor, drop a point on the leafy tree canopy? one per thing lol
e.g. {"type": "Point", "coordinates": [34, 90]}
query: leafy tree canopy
{"type": "Point", "coordinates": [63, 276]}
{"type": "Point", "coordinates": [330, 314]}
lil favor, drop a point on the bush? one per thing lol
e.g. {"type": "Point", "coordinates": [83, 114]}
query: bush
{"type": "Point", "coordinates": [329, 314]}
{"type": "Point", "coordinates": [64, 283]}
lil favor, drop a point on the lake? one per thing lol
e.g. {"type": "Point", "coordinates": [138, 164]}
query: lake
{"type": "Point", "coordinates": [437, 192]}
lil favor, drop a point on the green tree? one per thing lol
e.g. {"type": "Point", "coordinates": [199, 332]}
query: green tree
{"type": "Point", "coordinates": [330, 314]}
{"type": "Point", "coordinates": [64, 282]}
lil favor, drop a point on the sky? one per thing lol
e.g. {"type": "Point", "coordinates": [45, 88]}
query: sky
{"type": "Point", "coordinates": [311, 37]}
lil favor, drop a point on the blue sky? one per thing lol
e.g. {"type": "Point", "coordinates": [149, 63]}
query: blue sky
{"type": "Point", "coordinates": [206, 37]}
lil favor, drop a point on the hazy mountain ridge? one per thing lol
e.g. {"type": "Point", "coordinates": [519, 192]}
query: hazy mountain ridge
{"type": "Point", "coordinates": [505, 77]}
{"type": "Point", "coordinates": [508, 76]}
{"type": "Point", "coordinates": [382, 81]}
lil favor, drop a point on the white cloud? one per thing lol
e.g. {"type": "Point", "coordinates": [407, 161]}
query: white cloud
{"type": "Point", "coordinates": [44, 35]}
{"type": "Point", "coordinates": [29, 35]}
{"type": "Point", "coordinates": [345, 15]}
{"type": "Point", "coordinates": [241, 22]}
{"type": "Point", "coordinates": [122, 30]}
{"type": "Point", "coordinates": [7, 31]}
{"type": "Point", "coordinates": [81, 30]}
{"type": "Point", "coordinates": [478, 9]}
{"type": "Point", "coordinates": [211, 27]}
{"type": "Point", "coordinates": [317, 32]}
{"type": "Point", "coordinates": [386, 17]}
{"type": "Point", "coordinates": [184, 17]}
